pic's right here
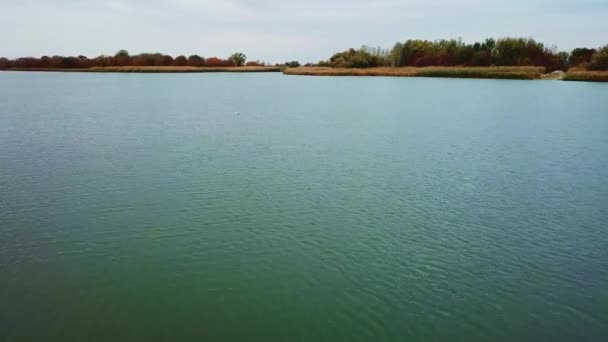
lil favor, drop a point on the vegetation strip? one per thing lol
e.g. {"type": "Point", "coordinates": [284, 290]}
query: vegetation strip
{"type": "Point", "coordinates": [525, 73]}
{"type": "Point", "coordinates": [156, 69]}
{"type": "Point", "coordinates": [144, 62]}
{"type": "Point", "coordinates": [588, 76]}
{"type": "Point", "coordinates": [505, 58]}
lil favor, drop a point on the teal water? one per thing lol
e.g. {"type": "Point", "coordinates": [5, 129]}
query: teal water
{"type": "Point", "coordinates": [262, 207]}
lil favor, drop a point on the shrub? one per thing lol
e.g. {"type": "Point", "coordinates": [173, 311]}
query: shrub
{"type": "Point", "coordinates": [581, 56]}
{"type": "Point", "coordinates": [292, 64]}
{"type": "Point", "coordinates": [354, 59]}
{"type": "Point", "coordinates": [599, 60]}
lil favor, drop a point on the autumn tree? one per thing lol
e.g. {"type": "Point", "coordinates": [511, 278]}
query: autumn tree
{"type": "Point", "coordinates": [102, 61]}
{"type": "Point", "coordinates": [214, 62]}
{"type": "Point", "coordinates": [453, 52]}
{"type": "Point", "coordinates": [148, 59]}
{"type": "Point", "coordinates": [180, 61]}
{"type": "Point", "coordinates": [167, 60]}
{"type": "Point", "coordinates": [581, 56]}
{"type": "Point", "coordinates": [196, 61]}
{"type": "Point", "coordinates": [122, 58]}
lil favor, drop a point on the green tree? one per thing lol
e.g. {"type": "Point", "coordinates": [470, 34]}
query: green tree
{"type": "Point", "coordinates": [148, 59]}
{"type": "Point", "coordinates": [581, 56]}
{"type": "Point", "coordinates": [599, 60]}
{"type": "Point", "coordinates": [239, 58]}
{"type": "Point", "coordinates": [122, 53]}
{"type": "Point", "coordinates": [352, 58]}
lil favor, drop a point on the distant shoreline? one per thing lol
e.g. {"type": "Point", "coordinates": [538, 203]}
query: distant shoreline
{"type": "Point", "coordinates": [155, 69]}
{"type": "Point", "coordinates": [503, 72]}
{"type": "Point", "coordinates": [499, 72]}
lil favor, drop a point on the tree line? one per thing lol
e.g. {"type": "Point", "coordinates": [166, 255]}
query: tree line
{"type": "Point", "coordinates": [123, 58]}
{"type": "Point", "coordinates": [454, 52]}
{"type": "Point", "coordinates": [416, 53]}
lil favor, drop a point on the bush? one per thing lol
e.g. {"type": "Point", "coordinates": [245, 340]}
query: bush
{"type": "Point", "coordinates": [354, 59]}
{"type": "Point", "coordinates": [588, 76]}
{"type": "Point", "coordinates": [581, 56]}
{"type": "Point", "coordinates": [599, 60]}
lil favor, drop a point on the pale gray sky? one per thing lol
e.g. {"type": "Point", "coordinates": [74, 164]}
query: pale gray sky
{"type": "Point", "coordinates": [274, 31]}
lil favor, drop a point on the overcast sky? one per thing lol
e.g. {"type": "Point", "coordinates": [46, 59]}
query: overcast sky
{"type": "Point", "coordinates": [277, 30]}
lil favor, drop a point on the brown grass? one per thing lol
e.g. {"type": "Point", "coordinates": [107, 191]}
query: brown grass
{"type": "Point", "coordinates": [458, 72]}
{"type": "Point", "coordinates": [327, 71]}
{"type": "Point", "coordinates": [46, 69]}
{"type": "Point", "coordinates": [515, 73]}
{"type": "Point", "coordinates": [176, 69]}
{"type": "Point", "coordinates": [578, 74]}
{"type": "Point", "coordinates": [160, 69]}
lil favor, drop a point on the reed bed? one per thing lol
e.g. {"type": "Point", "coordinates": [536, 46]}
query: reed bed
{"type": "Point", "coordinates": [328, 71]}
{"type": "Point", "coordinates": [526, 73]}
{"type": "Point", "coordinates": [514, 73]}
{"type": "Point", "coordinates": [159, 69]}
{"type": "Point", "coordinates": [588, 76]}
{"type": "Point", "coordinates": [178, 69]}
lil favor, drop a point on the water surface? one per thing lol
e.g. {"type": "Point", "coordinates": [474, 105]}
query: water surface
{"type": "Point", "coordinates": [262, 207]}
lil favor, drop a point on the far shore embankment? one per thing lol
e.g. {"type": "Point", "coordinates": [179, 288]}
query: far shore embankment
{"type": "Point", "coordinates": [522, 73]}
{"type": "Point", "coordinates": [157, 69]}
{"type": "Point", "coordinates": [499, 72]}
{"type": "Point", "coordinates": [493, 72]}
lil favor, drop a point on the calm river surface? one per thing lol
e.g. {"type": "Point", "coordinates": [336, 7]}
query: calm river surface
{"type": "Point", "coordinates": [262, 207]}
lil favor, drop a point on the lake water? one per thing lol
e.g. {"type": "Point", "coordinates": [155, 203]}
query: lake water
{"type": "Point", "coordinates": [262, 207]}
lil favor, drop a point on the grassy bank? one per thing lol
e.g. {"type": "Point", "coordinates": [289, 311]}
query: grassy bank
{"type": "Point", "coordinates": [328, 71]}
{"type": "Point", "coordinates": [511, 73]}
{"type": "Point", "coordinates": [587, 76]}
{"type": "Point", "coordinates": [517, 73]}
{"type": "Point", "coordinates": [158, 69]}
{"type": "Point", "coordinates": [522, 73]}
